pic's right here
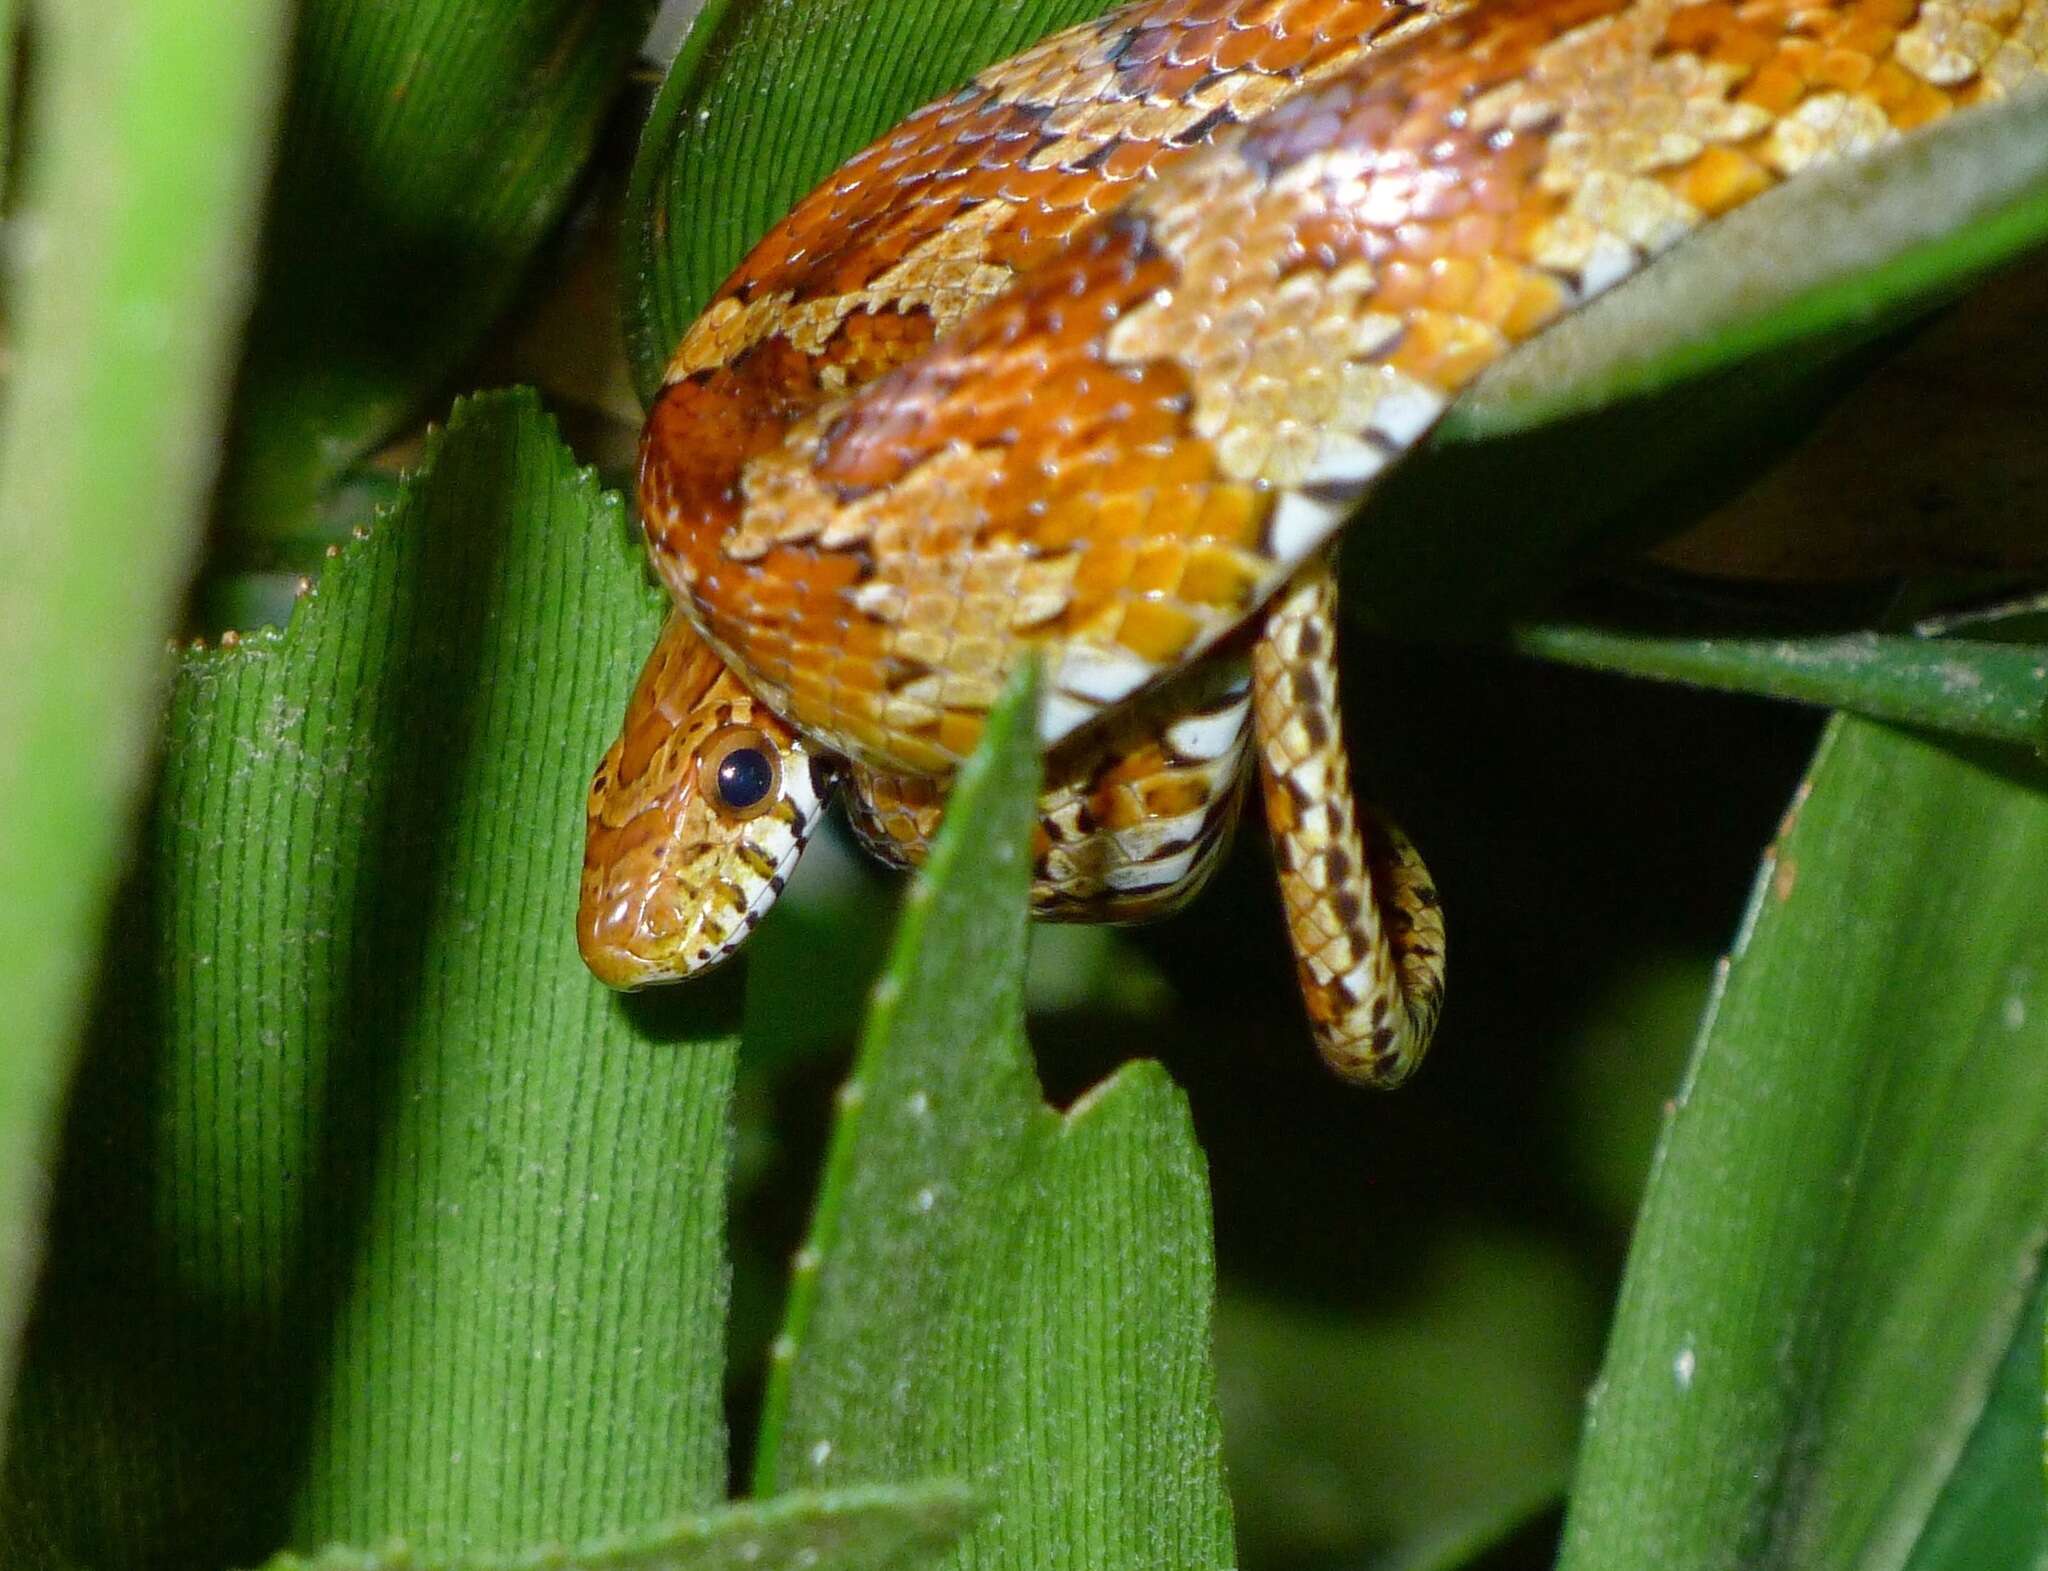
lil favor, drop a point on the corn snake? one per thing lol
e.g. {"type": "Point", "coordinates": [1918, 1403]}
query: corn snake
{"type": "Point", "coordinates": [1093, 359]}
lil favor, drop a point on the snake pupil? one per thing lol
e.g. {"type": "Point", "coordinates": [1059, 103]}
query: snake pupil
{"type": "Point", "coordinates": [744, 777]}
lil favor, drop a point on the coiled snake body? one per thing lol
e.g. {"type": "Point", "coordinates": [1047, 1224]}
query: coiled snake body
{"type": "Point", "coordinates": [1093, 359]}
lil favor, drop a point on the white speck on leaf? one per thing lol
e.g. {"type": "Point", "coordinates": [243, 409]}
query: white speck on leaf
{"type": "Point", "coordinates": [821, 1453]}
{"type": "Point", "coordinates": [1684, 1366]}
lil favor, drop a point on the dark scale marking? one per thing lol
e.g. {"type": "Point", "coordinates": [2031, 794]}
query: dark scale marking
{"type": "Point", "coordinates": [898, 672]}
{"type": "Point", "coordinates": [1044, 140]}
{"type": "Point", "coordinates": [1100, 155]}
{"type": "Point", "coordinates": [1349, 908]}
{"type": "Point", "coordinates": [1334, 493]}
{"type": "Point", "coordinates": [1191, 135]}
{"type": "Point", "coordinates": [1115, 53]}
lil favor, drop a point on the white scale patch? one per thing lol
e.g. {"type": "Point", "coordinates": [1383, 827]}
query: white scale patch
{"type": "Point", "coordinates": [1302, 522]}
{"type": "Point", "coordinates": [1209, 736]}
{"type": "Point", "coordinates": [1060, 716]}
{"type": "Point", "coordinates": [1104, 675]}
{"type": "Point", "coordinates": [1148, 875]}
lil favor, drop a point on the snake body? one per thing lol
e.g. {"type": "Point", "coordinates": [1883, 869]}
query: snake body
{"type": "Point", "coordinates": [1092, 359]}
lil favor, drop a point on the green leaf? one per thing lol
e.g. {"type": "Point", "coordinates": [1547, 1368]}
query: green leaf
{"type": "Point", "coordinates": [428, 149]}
{"type": "Point", "coordinates": [848, 1530]}
{"type": "Point", "coordinates": [1846, 248]}
{"type": "Point", "coordinates": [1995, 691]}
{"type": "Point", "coordinates": [760, 105]}
{"type": "Point", "coordinates": [989, 1288]}
{"type": "Point", "coordinates": [1637, 415]}
{"type": "Point", "coordinates": [1994, 1511]}
{"type": "Point", "coordinates": [383, 1217]}
{"type": "Point", "coordinates": [141, 182]}
{"type": "Point", "coordinates": [1846, 1215]}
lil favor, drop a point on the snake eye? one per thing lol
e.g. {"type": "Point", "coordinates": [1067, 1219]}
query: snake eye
{"type": "Point", "coordinates": [739, 771]}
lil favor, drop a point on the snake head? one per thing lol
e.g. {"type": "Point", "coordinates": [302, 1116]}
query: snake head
{"type": "Point", "coordinates": [697, 815]}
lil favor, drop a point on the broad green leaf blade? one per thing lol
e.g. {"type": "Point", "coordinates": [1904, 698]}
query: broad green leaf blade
{"type": "Point", "coordinates": [1846, 1214]}
{"type": "Point", "coordinates": [427, 150]}
{"type": "Point", "coordinates": [1995, 691]}
{"type": "Point", "coordinates": [386, 1219]}
{"type": "Point", "coordinates": [991, 1289]}
{"type": "Point", "coordinates": [847, 1530]}
{"type": "Point", "coordinates": [1994, 1511]}
{"type": "Point", "coordinates": [764, 100]}
{"type": "Point", "coordinates": [143, 173]}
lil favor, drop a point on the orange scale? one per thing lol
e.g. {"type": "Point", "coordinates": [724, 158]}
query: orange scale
{"type": "Point", "coordinates": [1105, 567]}
{"type": "Point", "coordinates": [1158, 568]}
{"type": "Point", "coordinates": [1721, 178]}
{"type": "Point", "coordinates": [1928, 103]}
{"type": "Point", "coordinates": [1218, 577]}
{"type": "Point", "coordinates": [1454, 280]}
{"type": "Point", "coordinates": [1121, 515]}
{"type": "Point", "coordinates": [1403, 285]}
{"type": "Point", "coordinates": [1496, 291]}
{"type": "Point", "coordinates": [1234, 514]}
{"type": "Point", "coordinates": [1172, 796]}
{"type": "Point", "coordinates": [1271, 50]}
{"type": "Point", "coordinates": [863, 639]}
{"type": "Point", "coordinates": [1445, 350]}
{"type": "Point", "coordinates": [1775, 89]}
{"type": "Point", "coordinates": [1890, 86]}
{"type": "Point", "coordinates": [848, 675]}
{"type": "Point", "coordinates": [1157, 632]}
{"type": "Point", "coordinates": [958, 733]}
{"type": "Point", "coordinates": [1698, 29]}
{"type": "Point", "coordinates": [1175, 511]}
{"type": "Point", "coordinates": [1867, 35]}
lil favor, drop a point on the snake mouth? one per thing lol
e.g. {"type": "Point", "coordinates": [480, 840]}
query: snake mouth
{"type": "Point", "coordinates": [637, 932]}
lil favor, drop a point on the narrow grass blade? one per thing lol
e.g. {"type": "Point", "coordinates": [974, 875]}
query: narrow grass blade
{"type": "Point", "coordinates": [847, 1530]}
{"type": "Point", "coordinates": [991, 1289]}
{"type": "Point", "coordinates": [1994, 1511]}
{"type": "Point", "coordinates": [145, 162]}
{"type": "Point", "coordinates": [1995, 691]}
{"type": "Point", "coordinates": [1847, 247]}
{"type": "Point", "coordinates": [1846, 1217]}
